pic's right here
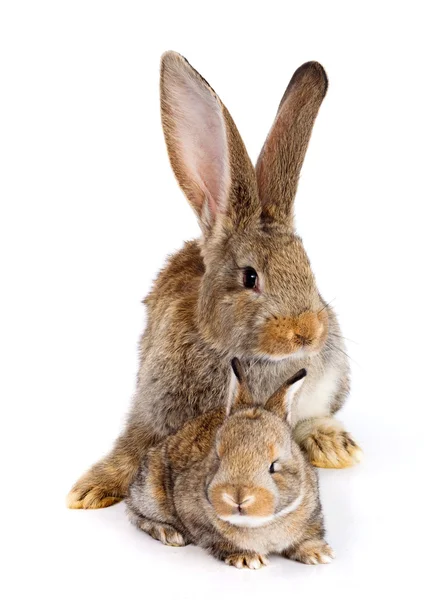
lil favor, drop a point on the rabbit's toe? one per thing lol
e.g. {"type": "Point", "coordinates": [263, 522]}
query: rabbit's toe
{"type": "Point", "coordinates": [247, 560]}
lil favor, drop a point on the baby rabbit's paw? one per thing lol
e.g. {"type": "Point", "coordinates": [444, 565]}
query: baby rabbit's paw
{"type": "Point", "coordinates": [311, 552]}
{"type": "Point", "coordinates": [164, 533]}
{"type": "Point", "coordinates": [247, 560]}
{"type": "Point", "coordinates": [327, 444]}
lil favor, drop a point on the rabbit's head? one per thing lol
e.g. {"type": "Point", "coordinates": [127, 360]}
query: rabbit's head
{"type": "Point", "coordinates": [258, 296]}
{"type": "Point", "coordinates": [257, 471]}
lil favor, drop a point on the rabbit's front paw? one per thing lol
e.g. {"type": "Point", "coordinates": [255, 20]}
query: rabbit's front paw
{"type": "Point", "coordinates": [327, 444]}
{"type": "Point", "coordinates": [166, 534]}
{"type": "Point", "coordinates": [247, 560]}
{"type": "Point", "coordinates": [311, 552]}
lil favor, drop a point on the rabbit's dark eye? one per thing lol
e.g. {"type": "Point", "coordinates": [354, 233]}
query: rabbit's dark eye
{"type": "Point", "coordinates": [272, 467]}
{"type": "Point", "coordinates": [250, 278]}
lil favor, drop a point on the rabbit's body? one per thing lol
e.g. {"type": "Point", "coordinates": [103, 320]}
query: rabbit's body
{"type": "Point", "coordinates": [245, 288]}
{"type": "Point", "coordinates": [176, 495]}
{"type": "Point", "coordinates": [172, 323]}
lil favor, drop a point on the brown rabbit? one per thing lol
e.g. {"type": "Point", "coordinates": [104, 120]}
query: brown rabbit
{"type": "Point", "coordinates": [245, 288]}
{"type": "Point", "coordinates": [234, 482]}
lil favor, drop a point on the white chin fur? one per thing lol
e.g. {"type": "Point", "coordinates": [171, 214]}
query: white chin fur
{"type": "Point", "coordinates": [300, 353]}
{"type": "Point", "coordinates": [246, 521]}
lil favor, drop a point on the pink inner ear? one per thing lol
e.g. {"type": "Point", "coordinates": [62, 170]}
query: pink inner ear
{"type": "Point", "coordinates": [201, 136]}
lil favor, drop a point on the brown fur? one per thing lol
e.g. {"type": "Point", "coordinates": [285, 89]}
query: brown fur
{"type": "Point", "coordinates": [199, 312]}
{"type": "Point", "coordinates": [228, 477]}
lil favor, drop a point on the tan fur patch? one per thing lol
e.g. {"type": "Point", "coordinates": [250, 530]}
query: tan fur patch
{"type": "Point", "coordinates": [254, 413]}
{"type": "Point", "coordinates": [156, 479]}
{"type": "Point", "coordinates": [272, 452]}
{"type": "Point", "coordinates": [287, 335]}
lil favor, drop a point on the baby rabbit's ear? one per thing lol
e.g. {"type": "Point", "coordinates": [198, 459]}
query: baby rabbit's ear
{"type": "Point", "coordinates": [239, 394]}
{"type": "Point", "coordinates": [280, 402]}
{"type": "Point", "coordinates": [205, 149]}
{"type": "Point", "coordinates": [280, 161]}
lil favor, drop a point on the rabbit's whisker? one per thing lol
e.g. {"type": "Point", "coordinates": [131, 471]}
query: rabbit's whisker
{"type": "Point", "coordinates": [332, 346]}
{"type": "Point", "coordinates": [254, 363]}
{"type": "Point", "coordinates": [342, 337]}
{"type": "Point", "coordinates": [327, 305]}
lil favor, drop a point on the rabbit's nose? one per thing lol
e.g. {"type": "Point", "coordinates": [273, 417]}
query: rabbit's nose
{"type": "Point", "coordinates": [302, 339]}
{"type": "Point", "coordinates": [239, 500]}
{"type": "Point", "coordinates": [246, 501]}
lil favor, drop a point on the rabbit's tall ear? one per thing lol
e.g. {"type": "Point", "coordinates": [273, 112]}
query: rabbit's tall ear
{"type": "Point", "coordinates": [280, 402]}
{"type": "Point", "coordinates": [239, 393]}
{"type": "Point", "coordinates": [206, 152]}
{"type": "Point", "coordinates": [281, 158]}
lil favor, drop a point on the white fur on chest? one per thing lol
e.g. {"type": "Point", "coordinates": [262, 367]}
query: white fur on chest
{"type": "Point", "coordinates": [315, 397]}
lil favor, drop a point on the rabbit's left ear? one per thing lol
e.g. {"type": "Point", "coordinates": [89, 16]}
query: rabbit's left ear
{"type": "Point", "coordinates": [205, 149]}
{"type": "Point", "coordinates": [239, 393]}
{"type": "Point", "coordinates": [280, 402]}
{"type": "Point", "coordinates": [280, 161]}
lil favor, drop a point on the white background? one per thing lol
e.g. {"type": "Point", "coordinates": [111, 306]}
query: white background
{"type": "Point", "coordinates": [90, 209]}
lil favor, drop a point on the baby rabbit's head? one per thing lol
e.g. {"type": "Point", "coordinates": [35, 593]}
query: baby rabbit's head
{"type": "Point", "coordinates": [258, 471]}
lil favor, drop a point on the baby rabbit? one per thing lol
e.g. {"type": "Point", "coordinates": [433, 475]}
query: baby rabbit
{"type": "Point", "coordinates": [234, 482]}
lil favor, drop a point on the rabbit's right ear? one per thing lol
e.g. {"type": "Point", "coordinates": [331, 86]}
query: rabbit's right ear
{"type": "Point", "coordinates": [205, 149]}
{"type": "Point", "coordinates": [280, 161]}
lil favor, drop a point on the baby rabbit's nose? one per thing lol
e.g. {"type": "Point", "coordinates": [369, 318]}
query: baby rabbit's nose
{"type": "Point", "coordinates": [246, 501]}
{"type": "Point", "coordinates": [240, 499]}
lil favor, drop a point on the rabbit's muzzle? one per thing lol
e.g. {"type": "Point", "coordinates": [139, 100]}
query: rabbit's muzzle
{"type": "Point", "coordinates": [284, 336]}
{"type": "Point", "coordinates": [241, 500]}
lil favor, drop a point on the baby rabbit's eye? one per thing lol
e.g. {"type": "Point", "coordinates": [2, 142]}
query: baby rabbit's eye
{"type": "Point", "coordinates": [273, 467]}
{"type": "Point", "coordinates": [250, 278]}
